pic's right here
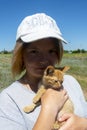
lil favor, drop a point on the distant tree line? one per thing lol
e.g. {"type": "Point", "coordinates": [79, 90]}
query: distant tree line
{"type": "Point", "coordinates": [65, 51]}
{"type": "Point", "coordinates": [76, 51]}
{"type": "Point", "coordinates": [6, 52]}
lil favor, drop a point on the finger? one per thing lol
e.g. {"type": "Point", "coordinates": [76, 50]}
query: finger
{"type": "Point", "coordinates": [64, 117]}
{"type": "Point", "coordinates": [65, 94]}
{"type": "Point", "coordinates": [64, 91]}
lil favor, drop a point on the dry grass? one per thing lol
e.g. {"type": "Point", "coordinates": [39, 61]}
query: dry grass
{"type": "Point", "coordinates": [77, 63]}
{"type": "Point", "coordinates": [78, 68]}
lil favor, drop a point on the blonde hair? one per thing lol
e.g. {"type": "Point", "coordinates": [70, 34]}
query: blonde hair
{"type": "Point", "coordinates": [17, 59]}
{"type": "Point", "coordinates": [59, 46]}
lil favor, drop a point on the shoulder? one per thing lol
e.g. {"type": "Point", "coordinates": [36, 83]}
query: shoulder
{"type": "Point", "coordinates": [72, 85]}
{"type": "Point", "coordinates": [10, 95]}
{"type": "Point", "coordinates": [7, 94]}
{"type": "Point", "coordinates": [12, 101]}
{"type": "Point", "coordinates": [76, 94]}
{"type": "Point", "coordinates": [7, 102]}
{"type": "Point", "coordinates": [14, 85]}
{"type": "Point", "coordinates": [68, 79]}
{"type": "Point", "coordinates": [16, 94]}
{"type": "Point", "coordinates": [10, 112]}
{"type": "Point", "coordinates": [14, 89]}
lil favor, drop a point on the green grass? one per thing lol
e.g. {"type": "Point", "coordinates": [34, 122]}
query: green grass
{"type": "Point", "coordinates": [5, 70]}
{"type": "Point", "coordinates": [78, 68]}
{"type": "Point", "coordinates": [77, 63]}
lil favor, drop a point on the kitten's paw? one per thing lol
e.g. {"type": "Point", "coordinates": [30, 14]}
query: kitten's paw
{"type": "Point", "coordinates": [29, 109]}
{"type": "Point", "coordinates": [56, 126]}
{"type": "Point", "coordinates": [36, 99]}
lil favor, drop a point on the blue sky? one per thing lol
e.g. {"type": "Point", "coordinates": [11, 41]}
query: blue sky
{"type": "Point", "coordinates": [70, 15]}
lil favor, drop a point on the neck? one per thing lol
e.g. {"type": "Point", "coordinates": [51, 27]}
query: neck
{"type": "Point", "coordinates": [30, 82]}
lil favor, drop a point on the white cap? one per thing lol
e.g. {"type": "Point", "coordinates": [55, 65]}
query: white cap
{"type": "Point", "coordinates": [38, 26]}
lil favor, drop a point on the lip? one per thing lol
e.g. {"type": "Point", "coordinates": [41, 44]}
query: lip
{"type": "Point", "coordinates": [41, 68]}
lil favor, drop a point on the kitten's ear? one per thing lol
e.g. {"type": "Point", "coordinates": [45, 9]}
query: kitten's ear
{"type": "Point", "coordinates": [65, 68]}
{"type": "Point", "coordinates": [49, 70]}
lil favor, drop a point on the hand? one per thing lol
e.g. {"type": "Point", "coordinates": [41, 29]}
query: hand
{"type": "Point", "coordinates": [51, 102]}
{"type": "Point", "coordinates": [73, 122]}
{"type": "Point", "coordinates": [54, 100]}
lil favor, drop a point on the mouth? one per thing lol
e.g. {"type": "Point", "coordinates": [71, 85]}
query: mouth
{"type": "Point", "coordinates": [41, 68]}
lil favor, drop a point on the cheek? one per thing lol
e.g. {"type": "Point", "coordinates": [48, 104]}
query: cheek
{"type": "Point", "coordinates": [54, 59]}
{"type": "Point", "coordinates": [30, 60]}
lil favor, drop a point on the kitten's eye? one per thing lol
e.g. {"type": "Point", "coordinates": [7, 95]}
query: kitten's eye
{"type": "Point", "coordinates": [56, 81]}
{"type": "Point", "coordinates": [61, 82]}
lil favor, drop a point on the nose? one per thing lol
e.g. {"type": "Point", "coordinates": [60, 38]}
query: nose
{"type": "Point", "coordinates": [44, 63]}
{"type": "Point", "coordinates": [44, 60]}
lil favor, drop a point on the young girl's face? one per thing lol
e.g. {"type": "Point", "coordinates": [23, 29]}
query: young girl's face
{"type": "Point", "coordinates": [38, 55]}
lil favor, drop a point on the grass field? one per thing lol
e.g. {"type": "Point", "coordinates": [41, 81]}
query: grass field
{"type": "Point", "coordinates": [77, 63]}
{"type": "Point", "coordinates": [78, 68]}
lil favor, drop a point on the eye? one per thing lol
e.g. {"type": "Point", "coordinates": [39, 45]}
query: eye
{"type": "Point", "coordinates": [56, 81]}
{"type": "Point", "coordinates": [61, 81]}
{"type": "Point", "coordinates": [32, 52]}
{"type": "Point", "coordinates": [52, 51]}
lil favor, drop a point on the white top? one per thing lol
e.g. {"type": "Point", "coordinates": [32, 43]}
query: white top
{"type": "Point", "coordinates": [14, 98]}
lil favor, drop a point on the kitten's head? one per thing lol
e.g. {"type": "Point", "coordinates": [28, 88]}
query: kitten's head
{"type": "Point", "coordinates": [53, 77]}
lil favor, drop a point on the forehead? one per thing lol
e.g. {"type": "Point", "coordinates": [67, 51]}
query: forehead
{"type": "Point", "coordinates": [43, 43]}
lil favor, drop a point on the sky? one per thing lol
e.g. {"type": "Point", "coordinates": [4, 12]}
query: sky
{"type": "Point", "coordinates": [70, 16]}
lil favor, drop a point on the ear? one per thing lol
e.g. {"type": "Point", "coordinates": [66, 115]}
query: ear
{"type": "Point", "coordinates": [65, 68]}
{"type": "Point", "coordinates": [49, 70]}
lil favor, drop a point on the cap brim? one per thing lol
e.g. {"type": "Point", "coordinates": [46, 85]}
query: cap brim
{"type": "Point", "coordinates": [40, 35]}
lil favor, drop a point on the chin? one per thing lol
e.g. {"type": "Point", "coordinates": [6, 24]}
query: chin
{"type": "Point", "coordinates": [39, 75]}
